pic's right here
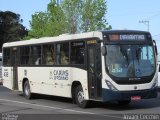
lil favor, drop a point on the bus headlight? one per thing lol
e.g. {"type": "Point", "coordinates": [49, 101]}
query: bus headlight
{"type": "Point", "coordinates": [111, 86]}
{"type": "Point", "coordinates": [155, 84]}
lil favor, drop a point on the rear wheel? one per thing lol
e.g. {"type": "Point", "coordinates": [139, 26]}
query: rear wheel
{"type": "Point", "coordinates": [79, 97]}
{"type": "Point", "coordinates": [26, 90]}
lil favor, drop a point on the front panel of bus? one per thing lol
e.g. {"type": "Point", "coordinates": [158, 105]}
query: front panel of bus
{"type": "Point", "coordinates": [129, 67]}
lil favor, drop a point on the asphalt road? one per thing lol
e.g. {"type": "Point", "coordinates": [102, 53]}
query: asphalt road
{"type": "Point", "coordinates": [13, 106]}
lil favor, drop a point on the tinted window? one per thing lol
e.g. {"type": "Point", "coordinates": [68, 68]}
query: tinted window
{"type": "Point", "coordinates": [36, 55]}
{"type": "Point", "coordinates": [6, 56]}
{"type": "Point", "coordinates": [77, 52]}
{"type": "Point", "coordinates": [24, 55]}
{"type": "Point", "coordinates": [48, 55]}
{"type": "Point", "coordinates": [62, 53]}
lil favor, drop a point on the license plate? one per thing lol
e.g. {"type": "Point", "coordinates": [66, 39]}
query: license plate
{"type": "Point", "coordinates": [136, 98]}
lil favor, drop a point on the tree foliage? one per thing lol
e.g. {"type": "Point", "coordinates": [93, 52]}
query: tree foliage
{"type": "Point", "coordinates": [70, 16]}
{"type": "Point", "coordinates": [11, 28]}
{"type": "Point", "coordinates": [85, 15]}
{"type": "Point", "coordinates": [50, 23]}
{"type": "Point", "coordinates": [38, 24]}
{"type": "Point", "coordinates": [93, 15]}
{"type": "Point", "coordinates": [73, 13]}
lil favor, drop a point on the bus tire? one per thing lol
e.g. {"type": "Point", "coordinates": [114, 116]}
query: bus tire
{"type": "Point", "coordinates": [124, 102]}
{"type": "Point", "coordinates": [79, 97]}
{"type": "Point", "coordinates": [26, 90]}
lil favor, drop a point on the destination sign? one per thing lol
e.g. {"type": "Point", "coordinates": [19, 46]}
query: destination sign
{"type": "Point", "coordinates": [127, 37]}
{"type": "Point", "coordinates": [132, 37]}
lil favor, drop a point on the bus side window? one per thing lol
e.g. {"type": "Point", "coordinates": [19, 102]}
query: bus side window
{"type": "Point", "coordinates": [24, 55]}
{"type": "Point", "coordinates": [64, 58]}
{"type": "Point", "coordinates": [48, 54]}
{"type": "Point", "coordinates": [6, 56]}
{"type": "Point", "coordinates": [77, 52]}
{"type": "Point", "coordinates": [36, 55]}
{"type": "Point", "coordinates": [62, 53]}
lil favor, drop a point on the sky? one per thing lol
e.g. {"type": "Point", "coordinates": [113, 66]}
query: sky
{"type": "Point", "coordinates": [127, 14]}
{"type": "Point", "coordinates": [121, 14]}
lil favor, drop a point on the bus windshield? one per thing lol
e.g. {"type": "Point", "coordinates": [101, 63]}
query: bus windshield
{"type": "Point", "coordinates": [130, 60]}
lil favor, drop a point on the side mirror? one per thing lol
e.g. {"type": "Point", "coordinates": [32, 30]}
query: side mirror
{"type": "Point", "coordinates": [104, 50]}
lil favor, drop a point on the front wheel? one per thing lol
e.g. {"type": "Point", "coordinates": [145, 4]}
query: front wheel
{"type": "Point", "coordinates": [79, 96]}
{"type": "Point", "coordinates": [26, 90]}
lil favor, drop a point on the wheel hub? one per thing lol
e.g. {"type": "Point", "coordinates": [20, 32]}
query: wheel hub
{"type": "Point", "coordinates": [80, 96]}
{"type": "Point", "coordinates": [27, 90]}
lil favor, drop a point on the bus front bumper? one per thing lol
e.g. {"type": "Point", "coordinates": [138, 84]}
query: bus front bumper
{"type": "Point", "coordinates": [109, 95]}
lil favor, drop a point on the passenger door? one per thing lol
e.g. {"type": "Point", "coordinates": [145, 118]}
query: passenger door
{"type": "Point", "coordinates": [94, 71]}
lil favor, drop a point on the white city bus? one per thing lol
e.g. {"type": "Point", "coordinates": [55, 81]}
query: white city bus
{"type": "Point", "coordinates": [116, 65]}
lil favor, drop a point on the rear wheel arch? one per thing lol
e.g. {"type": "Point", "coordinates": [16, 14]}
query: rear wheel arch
{"type": "Point", "coordinates": [26, 89]}
{"type": "Point", "coordinates": [78, 95]}
{"type": "Point", "coordinates": [75, 84]}
{"type": "Point", "coordinates": [24, 80]}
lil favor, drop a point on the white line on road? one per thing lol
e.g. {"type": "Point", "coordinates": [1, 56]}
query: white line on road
{"type": "Point", "coordinates": [69, 110]}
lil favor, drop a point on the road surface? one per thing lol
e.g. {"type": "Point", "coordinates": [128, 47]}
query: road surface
{"type": "Point", "coordinates": [13, 106]}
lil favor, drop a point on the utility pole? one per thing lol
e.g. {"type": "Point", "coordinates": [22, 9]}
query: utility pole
{"type": "Point", "coordinates": [146, 22]}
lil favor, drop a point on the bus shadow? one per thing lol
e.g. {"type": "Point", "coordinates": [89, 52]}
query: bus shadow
{"type": "Point", "coordinates": [50, 98]}
{"type": "Point", "coordinates": [137, 105]}
{"type": "Point", "coordinates": [143, 104]}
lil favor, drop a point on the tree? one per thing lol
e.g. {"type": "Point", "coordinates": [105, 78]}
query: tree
{"type": "Point", "coordinates": [93, 15]}
{"type": "Point", "coordinates": [11, 28]}
{"type": "Point", "coordinates": [38, 24]}
{"type": "Point", "coordinates": [73, 13]}
{"type": "Point", "coordinates": [85, 15]}
{"type": "Point", "coordinates": [69, 16]}
{"type": "Point", "coordinates": [50, 23]}
{"type": "Point", "coordinates": [57, 21]}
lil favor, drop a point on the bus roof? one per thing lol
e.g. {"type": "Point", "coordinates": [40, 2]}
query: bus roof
{"type": "Point", "coordinates": [63, 37]}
